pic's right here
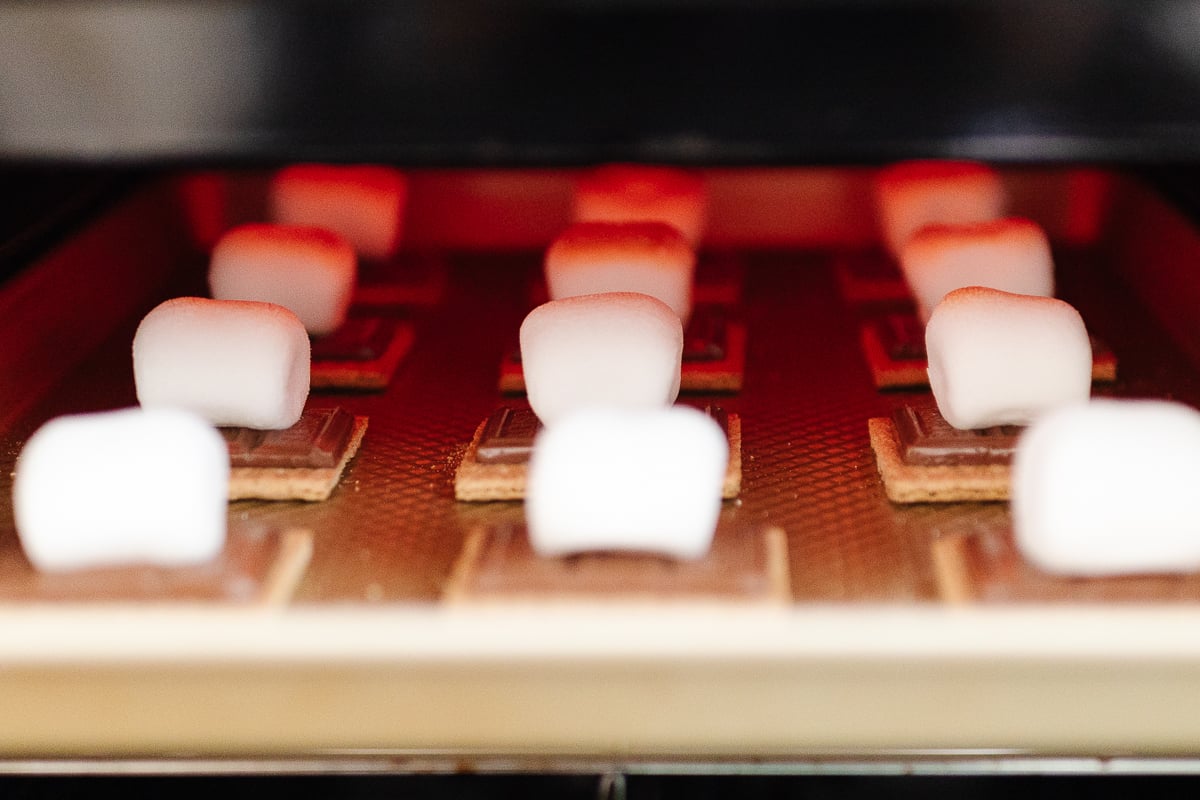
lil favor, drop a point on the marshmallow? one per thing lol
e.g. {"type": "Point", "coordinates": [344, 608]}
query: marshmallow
{"type": "Point", "coordinates": [1108, 488]}
{"type": "Point", "coordinates": [363, 203]}
{"type": "Point", "coordinates": [913, 194]}
{"type": "Point", "coordinates": [648, 257]}
{"type": "Point", "coordinates": [647, 480]}
{"type": "Point", "coordinates": [120, 487]}
{"type": "Point", "coordinates": [636, 192]}
{"type": "Point", "coordinates": [309, 271]}
{"type": "Point", "coordinates": [1012, 255]}
{"type": "Point", "coordinates": [618, 349]}
{"type": "Point", "coordinates": [233, 362]}
{"type": "Point", "coordinates": [1003, 359]}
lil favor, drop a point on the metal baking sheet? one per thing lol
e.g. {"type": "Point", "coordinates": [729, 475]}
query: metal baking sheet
{"type": "Point", "coordinates": [863, 661]}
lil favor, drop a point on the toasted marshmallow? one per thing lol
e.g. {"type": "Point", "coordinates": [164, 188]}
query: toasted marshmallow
{"type": "Point", "coordinates": [309, 271]}
{"type": "Point", "coordinates": [997, 358]}
{"type": "Point", "coordinates": [1012, 255]}
{"type": "Point", "coordinates": [648, 257]}
{"type": "Point", "coordinates": [1109, 488]}
{"type": "Point", "coordinates": [363, 203]}
{"type": "Point", "coordinates": [232, 362]}
{"type": "Point", "coordinates": [913, 194]}
{"type": "Point", "coordinates": [645, 480]}
{"type": "Point", "coordinates": [641, 193]}
{"type": "Point", "coordinates": [122, 487]}
{"type": "Point", "coordinates": [618, 350]}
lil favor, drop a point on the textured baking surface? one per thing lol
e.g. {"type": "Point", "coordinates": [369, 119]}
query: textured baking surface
{"type": "Point", "coordinates": [392, 530]}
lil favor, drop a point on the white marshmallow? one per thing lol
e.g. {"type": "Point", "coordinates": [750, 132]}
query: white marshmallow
{"type": "Point", "coordinates": [913, 194]}
{"type": "Point", "coordinates": [1108, 488]}
{"type": "Point", "coordinates": [364, 203]}
{"type": "Point", "coordinates": [648, 257]}
{"type": "Point", "coordinates": [233, 362]}
{"type": "Point", "coordinates": [1012, 255]}
{"type": "Point", "coordinates": [1003, 359]}
{"type": "Point", "coordinates": [643, 193]}
{"type": "Point", "coordinates": [309, 271]}
{"type": "Point", "coordinates": [121, 487]}
{"type": "Point", "coordinates": [618, 349]}
{"type": "Point", "coordinates": [626, 480]}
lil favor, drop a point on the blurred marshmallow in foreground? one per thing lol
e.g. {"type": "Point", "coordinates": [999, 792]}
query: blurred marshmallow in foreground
{"type": "Point", "coordinates": [648, 257]}
{"type": "Point", "coordinates": [122, 487]}
{"type": "Point", "coordinates": [232, 362]}
{"type": "Point", "coordinates": [913, 194]}
{"type": "Point", "coordinates": [363, 203]}
{"type": "Point", "coordinates": [309, 271]}
{"type": "Point", "coordinates": [619, 349]}
{"type": "Point", "coordinates": [644, 193]}
{"type": "Point", "coordinates": [1012, 255]}
{"type": "Point", "coordinates": [997, 358]}
{"type": "Point", "coordinates": [646, 480]}
{"type": "Point", "coordinates": [1110, 488]}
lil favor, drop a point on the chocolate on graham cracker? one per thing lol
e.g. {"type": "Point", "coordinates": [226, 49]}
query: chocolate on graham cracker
{"type": "Point", "coordinates": [362, 354]}
{"type": "Point", "coordinates": [498, 565]}
{"type": "Point", "coordinates": [923, 459]}
{"type": "Point", "coordinates": [303, 462]}
{"type": "Point", "coordinates": [894, 346]}
{"type": "Point", "coordinates": [495, 464]}
{"type": "Point", "coordinates": [869, 276]}
{"type": "Point", "coordinates": [405, 279]}
{"type": "Point", "coordinates": [714, 356]}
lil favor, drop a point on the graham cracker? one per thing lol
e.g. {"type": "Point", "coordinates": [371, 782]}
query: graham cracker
{"type": "Point", "coordinates": [365, 375]}
{"type": "Point", "coordinates": [259, 565]}
{"type": "Point", "coordinates": [908, 483]}
{"type": "Point", "coordinates": [498, 564]}
{"type": "Point", "coordinates": [892, 372]}
{"type": "Point", "coordinates": [476, 481]}
{"type": "Point", "coordinates": [869, 277]}
{"type": "Point", "coordinates": [723, 374]}
{"type": "Point", "coordinates": [406, 279]}
{"type": "Point", "coordinates": [295, 483]}
{"type": "Point", "coordinates": [889, 372]}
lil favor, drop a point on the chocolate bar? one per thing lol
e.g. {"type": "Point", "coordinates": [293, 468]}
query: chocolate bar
{"type": "Point", "coordinates": [508, 435]}
{"type": "Point", "coordinates": [903, 337]}
{"type": "Point", "coordinates": [705, 339]}
{"type": "Point", "coordinates": [362, 354]}
{"type": "Point", "coordinates": [745, 564]}
{"type": "Point", "coordinates": [713, 358]}
{"type": "Point", "coordinates": [358, 339]}
{"type": "Point", "coordinates": [926, 438]}
{"type": "Point", "coordinates": [869, 276]}
{"type": "Point", "coordinates": [894, 346]}
{"type": "Point", "coordinates": [304, 462]}
{"type": "Point", "coordinates": [317, 441]}
{"type": "Point", "coordinates": [923, 459]}
{"type": "Point", "coordinates": [494, 465]}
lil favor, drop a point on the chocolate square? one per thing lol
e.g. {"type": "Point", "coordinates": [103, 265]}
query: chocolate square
{"type": "Point", "coordinates": [926, 439]}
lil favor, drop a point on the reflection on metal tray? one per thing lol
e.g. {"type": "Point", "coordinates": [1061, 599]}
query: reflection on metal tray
{"type": "Point", "coordinates": [901, 618]}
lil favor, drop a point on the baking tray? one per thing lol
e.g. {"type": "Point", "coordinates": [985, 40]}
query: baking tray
{"type": "Point", "coordinates": [911, 631]}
